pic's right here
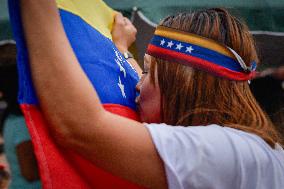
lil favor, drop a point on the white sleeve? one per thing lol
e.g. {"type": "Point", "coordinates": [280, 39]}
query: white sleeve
{"type": "Point", "coordinates": [174, 146]}
{"type": "Point", "coordinates": [188, 155]}
{"type": "Point", "coordinates": [216, 157]}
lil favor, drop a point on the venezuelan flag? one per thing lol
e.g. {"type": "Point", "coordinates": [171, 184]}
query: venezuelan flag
{"type": "Point", "coordinates": [87, 25]}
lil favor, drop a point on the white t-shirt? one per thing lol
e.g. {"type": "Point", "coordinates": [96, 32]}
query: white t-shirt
{"type": "Point", "coordinates": [215, 157]}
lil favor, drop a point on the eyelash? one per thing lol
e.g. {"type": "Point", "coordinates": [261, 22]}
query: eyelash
{"type": "Point", "coordinates": [144, 72]}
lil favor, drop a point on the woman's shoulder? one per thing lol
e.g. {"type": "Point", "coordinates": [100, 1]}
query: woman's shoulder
{"type": "Point", "coordinates": [215, 152]}
{"type": "Point", "coordinates": [214, 140]}
{"type": "Point", "coordinates": [205, 133]}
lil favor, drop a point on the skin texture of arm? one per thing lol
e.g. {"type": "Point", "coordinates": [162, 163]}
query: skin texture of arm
{"type": "Point", "coordinates": [27, 161]}
{"type": "Point", "coordinates": [70, 104]}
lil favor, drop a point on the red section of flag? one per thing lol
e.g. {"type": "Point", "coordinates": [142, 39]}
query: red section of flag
{"type": "Point", "coordinates": [122, 111]}
{"type": "Point", "coordinates": [60, 168]}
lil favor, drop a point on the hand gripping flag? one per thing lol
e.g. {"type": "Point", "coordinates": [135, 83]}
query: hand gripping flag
{"type": "Point", "coordinates": [87, 25]}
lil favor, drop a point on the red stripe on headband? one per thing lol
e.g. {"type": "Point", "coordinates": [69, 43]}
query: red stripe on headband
{"type": "Point", "coordinates": [198, 63]}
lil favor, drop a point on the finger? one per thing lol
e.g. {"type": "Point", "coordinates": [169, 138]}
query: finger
{"type": "Point", "coordinates": [118, 15]}
{"type": "Point", "coordinates": [119, 18]}
{"type": "Point", "coordinates": [127, 21]}
{"type": "Point", "coordinates": [130, 25]}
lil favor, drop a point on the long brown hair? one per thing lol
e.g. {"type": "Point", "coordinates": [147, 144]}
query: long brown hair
{"type": "Point", "coordinates": [193, 97]}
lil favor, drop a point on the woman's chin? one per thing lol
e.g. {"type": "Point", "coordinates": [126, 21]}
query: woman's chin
{"type": "Point", "coordinates": [149, 119]}
{"type": "Point", "coordinates": [143, 118]}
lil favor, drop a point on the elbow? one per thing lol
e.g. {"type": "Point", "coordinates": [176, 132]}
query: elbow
{"type": "Point", "coordinates": [71, 139]}
{"type": "Point", "coordinates": [63, 136]}
{"type": "Point", "coordinates": [61, 131]}
{"type": "Point", "coordinates": [68, 134]}
{"type": "Point", "coordinates": [75, 132]}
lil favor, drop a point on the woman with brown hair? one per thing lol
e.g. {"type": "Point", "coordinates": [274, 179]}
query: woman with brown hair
{"type": "Point", "coordinates": [196, 72]}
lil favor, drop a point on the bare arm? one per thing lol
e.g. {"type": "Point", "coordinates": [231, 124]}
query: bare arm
{"type": "Point", "coordinates": [72, 107]}
{"type": "Point", "coordinates": [123, 36]}
{"type": "Point", "coordinates": [27, 161]}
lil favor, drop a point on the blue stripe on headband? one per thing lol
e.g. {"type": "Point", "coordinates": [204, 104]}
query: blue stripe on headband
{"type": "Point", "coordinates": [197, 51]}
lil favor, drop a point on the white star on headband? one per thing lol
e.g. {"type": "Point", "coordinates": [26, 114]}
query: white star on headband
{"type": "Point", "coordinates": [170, 44]}
{"type": "Point", "coordinates": [162, 42]}
{"type": "Point", "coordinates": [179, 46]}
{"type": "Point", "coordinates": [189, 49]}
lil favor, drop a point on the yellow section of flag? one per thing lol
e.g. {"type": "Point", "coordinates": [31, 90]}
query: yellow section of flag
{"type": "Point", "coordinates": [94, 12]}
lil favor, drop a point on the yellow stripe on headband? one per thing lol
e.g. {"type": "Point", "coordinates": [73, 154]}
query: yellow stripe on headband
{"type": "Point", "coordinates": [193, 39]}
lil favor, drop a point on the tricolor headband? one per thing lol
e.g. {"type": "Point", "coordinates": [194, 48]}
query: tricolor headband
{"type": "Point", "coordinates": [200, 53]}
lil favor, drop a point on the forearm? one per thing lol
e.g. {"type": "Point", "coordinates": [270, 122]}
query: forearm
{"type": "Point", "coordinates": [123, 35]}
{"type": "Point", "coordinates": [132, 61]}
{"type": "Point", "coordinates": [61, 86]}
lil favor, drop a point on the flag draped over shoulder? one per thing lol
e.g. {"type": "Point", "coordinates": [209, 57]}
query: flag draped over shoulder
{"type": "Point", "coordinates": [87, 25]}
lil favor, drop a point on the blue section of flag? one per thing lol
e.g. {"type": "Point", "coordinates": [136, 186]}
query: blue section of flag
{"type": "Point", "coordinates": [113, 77]}
{"type": "Point", "coordinates": [199, 52]}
